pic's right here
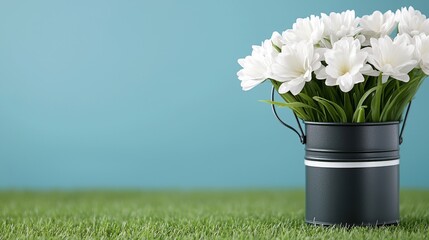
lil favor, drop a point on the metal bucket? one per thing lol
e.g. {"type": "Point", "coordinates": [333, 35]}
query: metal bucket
{"type": "Point", "coordinates": [352, 172]}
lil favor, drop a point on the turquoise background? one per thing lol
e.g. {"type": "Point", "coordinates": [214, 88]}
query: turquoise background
{"type": "Point", "coordinates": [144, 94]}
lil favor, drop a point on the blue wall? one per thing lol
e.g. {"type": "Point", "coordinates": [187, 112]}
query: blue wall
{"type": "Point", "coordinates": [145, 94]}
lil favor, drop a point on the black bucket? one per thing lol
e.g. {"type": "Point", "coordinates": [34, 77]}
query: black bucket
{"type": "Point", "coordinates": [352, 172]}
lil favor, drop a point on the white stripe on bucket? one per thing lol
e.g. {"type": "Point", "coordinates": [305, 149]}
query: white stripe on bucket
{"type": "Point", "coordinates": [321, 164]}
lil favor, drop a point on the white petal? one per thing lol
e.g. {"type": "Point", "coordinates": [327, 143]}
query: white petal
{"type": "Point", "coordinates": [331, 81]}
{"type": "Point", "coordinates": [345, 82]}
{"type": "Point", "coordinates": [295, 90]}
{"type": "Point", "coordinates": [249, 84]}
{"type": "Point", "coordinates": [277, 39]}
{"type": "Point", "coordinates": [425, 68]}
{"type": "Point", "coordinates": [321, 73]}
{"type": "Point", "coordinates": [367, 70]}
{"type": "Point", "coordinates": [403, 77]}
{"type": "Point", "coordinates": [284, 88]}
{"type": "Point", "coordinates": [358, 78]}
{"type": "Point", "coordinates": [384, 78]}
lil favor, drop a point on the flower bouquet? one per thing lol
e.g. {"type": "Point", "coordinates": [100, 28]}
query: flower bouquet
{"type": "Point", "coordinates": [349, 79]}
{"type": "Point", "coordinates": [340, 68]}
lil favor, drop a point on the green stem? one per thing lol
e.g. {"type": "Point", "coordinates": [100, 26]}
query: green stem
{"type": "Point", "coordinates": [376, 101]}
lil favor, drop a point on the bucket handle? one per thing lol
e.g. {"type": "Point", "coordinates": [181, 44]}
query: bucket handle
{"type": "Point", "coordinates": [403, 124]}
{"type": "Point", "coordinates": [273, 107]}
{"type": "Point", "coordinates": [302, 135]}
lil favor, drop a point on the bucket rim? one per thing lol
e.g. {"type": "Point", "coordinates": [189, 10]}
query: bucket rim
{"type": "Point", "coordinates": [351, 124]}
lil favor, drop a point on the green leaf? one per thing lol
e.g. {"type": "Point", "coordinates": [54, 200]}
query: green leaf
{"type": "Point", "coordinates": [297, 107]}
{"type": "Point", "coordinates": [369, 101]}
{"type": "Point", "coordinates": [335, 111]}
{"type": "Point", "coordinates": [400, 98]}
{"type": "Point", "coordinates": [285, 104]}
{"type": "Point", "coordinates": [359, 116]}
{"type": "Point", "coordinates": [391, 108]}
{"type": "Point", "coordinates": [376, 101]}
{"type": "Point", "coordinates": [348, 108]}
{"type": "Point", "coordinates": [308, 100]}
{"type": "Point", "coordinates": [361, 101]}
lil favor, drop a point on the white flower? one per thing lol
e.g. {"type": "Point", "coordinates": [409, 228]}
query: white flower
{"type": "Point", "coordinates": [346, 64]}
{"type": "Point", "coordinates": [392, 58]}
{"type": "Point", "coordinates": [338, 25]}
{"type": "Point", "coordinates": [305, 29]}
{"type": "Point", "coordinates": [257, 67]}
{"type": "Point", "coordinates": [294, 66]}
{"type": "Point", "coordinates": [422, 51]}
{"type": "Point", "coordinates": [412, 22]}
{"type": "Point", "coordinates": [377, 25]}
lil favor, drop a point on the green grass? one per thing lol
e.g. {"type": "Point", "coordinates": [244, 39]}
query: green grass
{"type": "Point", "coordinates": [189, 215]}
